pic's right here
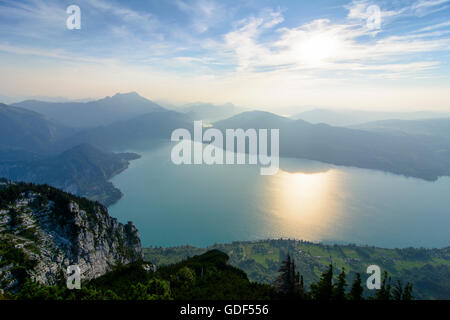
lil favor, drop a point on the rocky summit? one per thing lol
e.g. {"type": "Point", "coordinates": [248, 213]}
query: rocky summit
{"type": "Point", "coordinates": [44, 230]}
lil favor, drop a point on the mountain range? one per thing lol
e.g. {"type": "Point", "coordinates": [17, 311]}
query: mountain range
{"type": "Point", "coordinates": [126, 133]}
{"type": "Point", "coordinates": [93, 113]}
{"type": "Point", "coordinates": [355, 117]}
{"type": "Point", "coordinates": [418, 156]}
{"type": "Point", "coordinates": [439, 127]}
{"type": "Point", "coordinates": [82, 170]}
{"type": "Point", "coordinates": [34, 147]}
{"type": "Point", "coordinates": [210, 112]}
{"type": "Point", "coordinates": [44, 229]}
{"type": "Point", "coordinates": [28, 130]}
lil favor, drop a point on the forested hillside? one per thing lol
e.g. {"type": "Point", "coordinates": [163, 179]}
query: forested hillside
{"type": "Point", "coordinates": [427, 269]}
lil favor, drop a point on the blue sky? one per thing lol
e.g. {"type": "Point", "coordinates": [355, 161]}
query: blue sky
{"type": "Point", "coordinates": [256, 53]}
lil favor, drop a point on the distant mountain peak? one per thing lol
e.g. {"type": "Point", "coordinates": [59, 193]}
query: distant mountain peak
{"type": "Point", "coordinates": [130, 97]}
{"type": "Point", "coordinates": [258, 114]}
{"type": "Point", "coordinates": [128, 94]}
{"type": "Point", "coordinates": [121, 106]}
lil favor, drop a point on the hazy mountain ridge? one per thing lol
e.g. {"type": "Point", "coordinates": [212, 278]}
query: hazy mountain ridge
{"type": "Point", "coordinates": [28, 130]}
{"type": "Point", "coordinates": [209, 111]}
{"type": "Point", "coordinates": [439, 127]}
{"type": "Point", "coordinates": [416, 156]}
{"type": "Point", "coordinates": [31, 144]}
{"type": "Point", "coordinates": [35, 149]}
{"type": "Point", "coordinates": [93, 113]}
{"type": "Point", "coordinates": [82, 170]}
{"type": "Point", "coordinates": [356, 117]}
{"type": "Point", "coordinates": [123, 134]}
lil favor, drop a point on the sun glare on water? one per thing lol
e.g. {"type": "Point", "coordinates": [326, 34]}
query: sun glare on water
{"type": "Point", "coordinates": [304, 203]}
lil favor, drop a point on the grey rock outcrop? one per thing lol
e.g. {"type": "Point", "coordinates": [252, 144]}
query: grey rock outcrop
{"type": "Point", "coordinates": [42, 233]}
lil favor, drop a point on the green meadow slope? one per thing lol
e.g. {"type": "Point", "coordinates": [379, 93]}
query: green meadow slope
{"type": "Point", "coordinates": [427, 269]}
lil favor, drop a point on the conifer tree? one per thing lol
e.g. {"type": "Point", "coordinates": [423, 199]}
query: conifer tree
{"type": "Point", "coordinates": [356, 292]}
{"type": "Point", "coordinates": [400, 293]}
{"type": "Point", "coordinates": [288, 282]}
{"type": "Point", "coordinates": [339, 289]}
{"type": "Point", "coordinates": [397, 292]}
{"type": "Point", "coordinates": [284, 284]}
{"type": "Point", "coordinates": [407, 292]}
{"type": "Point", "coordinates": [323, 289]}
{"type": "Point", "coordinates": [384, 293]}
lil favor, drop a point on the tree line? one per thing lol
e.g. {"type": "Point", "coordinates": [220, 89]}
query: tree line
{"type": "Point", "coordinates": [289, 285]}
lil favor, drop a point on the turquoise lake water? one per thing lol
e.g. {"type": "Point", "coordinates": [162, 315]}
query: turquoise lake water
{"type": "Point", "coordinates": [201, 205]}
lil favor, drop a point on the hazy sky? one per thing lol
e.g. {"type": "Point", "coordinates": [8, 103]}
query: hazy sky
{"type": "Point", "coordinates": [257, 53]}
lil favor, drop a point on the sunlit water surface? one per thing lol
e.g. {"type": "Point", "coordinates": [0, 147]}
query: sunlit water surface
{"type": "Point", "coordinates": [201, 205]}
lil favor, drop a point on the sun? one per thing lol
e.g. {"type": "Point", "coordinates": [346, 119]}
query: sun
{"type": "Point", "coordinates": [317, 49]}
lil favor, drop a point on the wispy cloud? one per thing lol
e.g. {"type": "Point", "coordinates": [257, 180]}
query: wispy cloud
{"type": "Point", "coordinates": [359, 10]}
{"type": "Point", "coordinates": [59, 54]}
{"type": "Point", "coordinates": [435, 26]}
{"type": "Point", "coordinates": [203, 13]}
{"type": "Point", "coordinates": [223, 48]}
{"type": "Point", "coordinates": [34, 18]}
{"type": "Point", "coordinates": [321, 45]}
{"type": "Point", "coordinates": [146, 21]}
{"type": "Point", "coordinates": [428, 3]}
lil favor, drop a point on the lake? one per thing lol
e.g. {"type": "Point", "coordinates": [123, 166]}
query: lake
{"type": "Point", "coordinates": [201, 205]}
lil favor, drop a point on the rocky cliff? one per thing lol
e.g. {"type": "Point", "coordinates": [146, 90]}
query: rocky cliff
{"type": "Point", "coordinates": [44, 230]}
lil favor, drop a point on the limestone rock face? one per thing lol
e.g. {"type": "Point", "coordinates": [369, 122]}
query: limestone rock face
{"type": "Point", "coordinates": [44, 230]}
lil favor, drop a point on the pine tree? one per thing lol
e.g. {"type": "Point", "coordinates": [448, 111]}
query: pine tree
{"type": "Point", "coordinates": [384, 293]}
{"type": "Point", "coordinates": [339, 289]}
{"type": "Point", "coordinates": [407, 292]}
{"type": "Point", "coordinates": [357, 290]}
{"type": "Point", "coordinates": [284, 283]}
{"type": "Point", "coordinates": [288, 282]}
{"type": "Point", "coordinates": [397, 292]}
{"type": "Point", "coordinates": [388, 294]}
{"type": "Point", "coordinates": [400, 293]}
{"type": "Point", "coordinates": [323, 289]}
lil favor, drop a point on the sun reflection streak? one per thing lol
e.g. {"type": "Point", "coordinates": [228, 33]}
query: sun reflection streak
{"type": "Point", "coordinates": [304, 203]}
